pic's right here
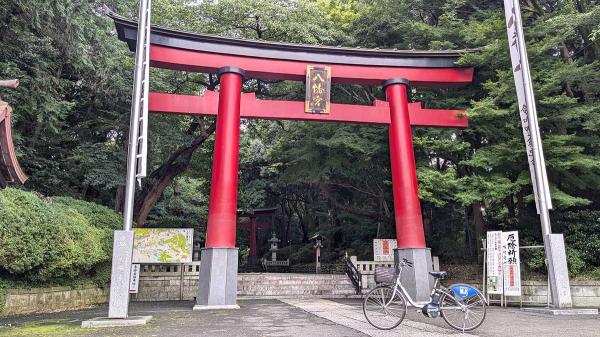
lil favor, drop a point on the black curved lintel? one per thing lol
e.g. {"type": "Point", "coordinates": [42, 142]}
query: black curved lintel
{"type": "Point", "coordinates": [127, 31]}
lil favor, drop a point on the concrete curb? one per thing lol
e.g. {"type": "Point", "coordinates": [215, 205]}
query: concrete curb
{"type": "Point", "coordinates": [105, 322]}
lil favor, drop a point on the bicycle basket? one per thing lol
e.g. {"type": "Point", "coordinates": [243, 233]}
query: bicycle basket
{"type": "Point", "coordinates": [385, 274]}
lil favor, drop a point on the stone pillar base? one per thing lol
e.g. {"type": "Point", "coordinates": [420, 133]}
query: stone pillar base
{"type": "Point", "coordinates": [118, 303]}
{"type": "Point", "coordinates": [217, 284]}
{"type": "Point", "coordinates": [416, 280]}
{"type": "Point", "coordinates": [558, 272]}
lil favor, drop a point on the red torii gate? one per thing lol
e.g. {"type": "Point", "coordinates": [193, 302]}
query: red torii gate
{"type": "Point", "coordinates": [233, 59]}
{"type": "Point", "coordinates": [252, 225]}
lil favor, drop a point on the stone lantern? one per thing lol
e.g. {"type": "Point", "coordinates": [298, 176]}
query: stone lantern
{"type": "Point", "coordinates": [317, 239]}
{"type": "Point", "coordinates": [274, 241]}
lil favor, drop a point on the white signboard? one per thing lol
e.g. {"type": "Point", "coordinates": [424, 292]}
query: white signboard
{"type": "Point", "coordinates": [511, 263]}
{"type": "Point", "coordinates": [383, 249]}
{"type": "Point", "coordinates": [494, 262]}
{"type": "Point", "coordinates": [163, 245]}
{"type": "Point", "coordinates": [134, 279]}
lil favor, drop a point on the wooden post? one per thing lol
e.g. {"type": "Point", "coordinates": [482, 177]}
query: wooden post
{"type": "Point", "coordinates": [318, 260]}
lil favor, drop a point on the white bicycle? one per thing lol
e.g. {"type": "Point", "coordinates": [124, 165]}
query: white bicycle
{"type": "Point", "coordinates": [462, 306]}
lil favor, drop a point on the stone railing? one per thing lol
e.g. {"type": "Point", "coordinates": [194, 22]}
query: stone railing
{"type": "Point", "coordinates": [285, 263]}
{"type": "Point", "coordinates": [168, 269]}
{"type": "Point", "coordinates": [367, 269]}
{"type": "Point", "coordinates": [160, 282]}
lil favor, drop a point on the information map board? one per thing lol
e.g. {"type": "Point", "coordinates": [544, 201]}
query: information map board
{"type": "Point", "coordinates": [163, 245]}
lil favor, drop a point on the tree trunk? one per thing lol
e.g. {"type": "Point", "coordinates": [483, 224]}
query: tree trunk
{"type": "Point", "coordinates": [119, 198]}
{"type": "Point", "coordinates": [156, 191]}
{"type": "Point", "coordinates": [479, 225]}
{"type": "Point", "coordinates": [301, 221]}
{"type": "Point", "coordinates": [176, 164]}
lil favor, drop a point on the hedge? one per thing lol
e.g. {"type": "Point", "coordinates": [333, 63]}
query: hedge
{"type": "Point", "coordinates": [53, 240]}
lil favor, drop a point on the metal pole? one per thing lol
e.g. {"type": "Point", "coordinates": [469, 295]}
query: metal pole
{"type": "Point", "coordinates": [134, 118]}
{"type": "Point", "coordinates": [118, 307]}
{"type": "Point", "coordinates": [484, 280]}
{"type": "Point", "coordinates": [538, 155]}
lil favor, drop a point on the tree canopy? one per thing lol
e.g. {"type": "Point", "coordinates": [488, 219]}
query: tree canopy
{"type": "Point", "coordinates": [71, 117]}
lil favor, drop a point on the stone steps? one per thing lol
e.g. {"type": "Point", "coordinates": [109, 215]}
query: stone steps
{"type": "Point", "coordinates": [281, 285]}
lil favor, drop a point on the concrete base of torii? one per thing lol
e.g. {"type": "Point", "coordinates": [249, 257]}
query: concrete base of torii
{"type": "Point", "coordinates": [416, 280]}
{"type": "Point", "coordinates": [218, 279]}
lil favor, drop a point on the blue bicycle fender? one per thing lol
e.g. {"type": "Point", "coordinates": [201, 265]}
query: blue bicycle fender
{"type": "Point", "coordinates": [465, 291]}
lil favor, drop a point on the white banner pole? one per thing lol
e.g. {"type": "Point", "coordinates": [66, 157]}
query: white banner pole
{"type": "Point", "coordinates": [553, 243]}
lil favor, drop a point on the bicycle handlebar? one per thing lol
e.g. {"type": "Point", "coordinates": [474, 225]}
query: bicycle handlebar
{"type": "Point", "coordinates": [405, 262]}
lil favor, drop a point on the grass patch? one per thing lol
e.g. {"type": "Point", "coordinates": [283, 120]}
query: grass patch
{"type": "Point", "coordinates": [41, 329]}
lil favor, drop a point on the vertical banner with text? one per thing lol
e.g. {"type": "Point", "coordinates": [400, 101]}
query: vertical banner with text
{"type": "Point", "coordinates": [134, 279]}
{"type": "Point", "coordinates": [494, 262]}
{"type": "Point", "coordinates": [511, 263]}
{"type": "Point", "coordinates": [526, 100]}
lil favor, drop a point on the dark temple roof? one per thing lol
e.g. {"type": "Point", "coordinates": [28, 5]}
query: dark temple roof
{"type": "Point", "coordinates": [127, 31]}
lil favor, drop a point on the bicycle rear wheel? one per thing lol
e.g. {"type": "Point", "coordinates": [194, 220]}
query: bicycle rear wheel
{"type": "Point", "coordinates": [463, 314]}
{"type": "Point", "coordinates": [381, 310]}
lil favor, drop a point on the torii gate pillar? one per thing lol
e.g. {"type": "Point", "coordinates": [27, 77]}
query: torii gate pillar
{"type": "Point", "coordinates": [218, 270]}
{"type": "Point", "coordinates": [407, 207]}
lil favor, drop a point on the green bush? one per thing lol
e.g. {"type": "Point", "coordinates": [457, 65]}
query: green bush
{"type": "Point", "coordinates": [534, 260]}
{"type": "Point", "coordinates": [582, 233]}
{"type": "Point", "coordinates": [100, 216]}
{"type": "Point", "coordinates": [53, 242]}
{"type": "Point", "coordinates": [575, 262]}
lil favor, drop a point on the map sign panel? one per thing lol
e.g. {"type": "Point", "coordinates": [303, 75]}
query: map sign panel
{"type": "Point", "coordinates": [383, 249]}
{"type": "Point", "coordinates": [163, 245]}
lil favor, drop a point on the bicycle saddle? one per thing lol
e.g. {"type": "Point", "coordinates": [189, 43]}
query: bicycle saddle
{"type": "Point", "coordinates": [438, 274]}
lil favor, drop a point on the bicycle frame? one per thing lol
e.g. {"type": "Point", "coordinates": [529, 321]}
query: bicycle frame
{"type": "Point", "coordinates": [452, 303]}
{"type": "Point", "coordinates": [398, 286]}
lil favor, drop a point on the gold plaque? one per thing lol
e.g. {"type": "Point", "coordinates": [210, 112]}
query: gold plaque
{"type": "Point", "coordinates": [318, 90]}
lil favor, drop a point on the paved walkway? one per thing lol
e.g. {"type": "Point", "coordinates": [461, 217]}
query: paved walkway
{"type": "Point", "coordinates": [290, 317]}
{"type": "Point", "coordinates": [512, 322]}
{"type": "Point", "coordinates": [352, 317]}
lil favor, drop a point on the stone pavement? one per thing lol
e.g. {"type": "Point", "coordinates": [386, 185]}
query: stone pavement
{"type": "Point", "coordinates": [352, 317]}
{"type": "Point", "coordinates": [289, 317]}
{"type": "Point", "coordinates": [512, 322]}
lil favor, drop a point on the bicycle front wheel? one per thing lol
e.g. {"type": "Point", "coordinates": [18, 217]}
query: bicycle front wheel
{"type": "Point", "coordinates": [463, 314]}
{"type": "Point", "coordinates": [384, 309]}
